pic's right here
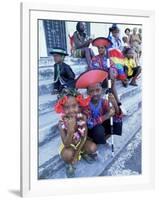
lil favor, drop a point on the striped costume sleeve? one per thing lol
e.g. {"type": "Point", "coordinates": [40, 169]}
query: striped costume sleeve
{"type": "Point", "coordinates": [92, 121]}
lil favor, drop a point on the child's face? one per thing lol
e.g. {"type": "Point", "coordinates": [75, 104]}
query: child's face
{"type": "Point", "coordinates": [127, 32]}
{"type": "Point", "coordinates": [125, 39]}
{"type": "Point", "coordinates": [115, 33]}
{"type": "Point", "coordinates": [82, 26]}
{"type": "Point", "coordinates": [95, 92]}
{"type": "Point", "coordinates": [58, 58]}
{"type": "Point", "coordinates": [71, 107]}
{"type": "Point", "coordinates": [130, 54]}
{"type": "Point", "coordinates": [101, 50]}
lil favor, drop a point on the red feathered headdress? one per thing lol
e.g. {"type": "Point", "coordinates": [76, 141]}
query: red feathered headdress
{"type": "Point", "coordinates": [83, 102]}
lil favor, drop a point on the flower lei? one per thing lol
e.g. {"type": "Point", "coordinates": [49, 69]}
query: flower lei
{"type": "Point", "coordinates": [80, 129]}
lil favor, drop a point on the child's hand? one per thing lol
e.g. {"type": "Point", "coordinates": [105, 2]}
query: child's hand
{"type": "Point", "coordinates": [111, 112]}
{"type": "Point", "coordinates": [71, 124]}
{"type": "Point", "coordinates": [112, 99]}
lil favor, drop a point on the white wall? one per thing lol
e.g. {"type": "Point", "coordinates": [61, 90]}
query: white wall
{"type": "Point", "coordinates": [42, 40]}
{"type": "Point", "coordinates": [70, 29]}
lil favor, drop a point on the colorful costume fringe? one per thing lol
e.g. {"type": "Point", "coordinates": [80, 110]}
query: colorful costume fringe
{"type": "Point", "coordinates": [116, 57]}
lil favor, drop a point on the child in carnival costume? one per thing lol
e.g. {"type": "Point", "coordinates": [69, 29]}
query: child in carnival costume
{"type": "Point", "coordinates": [103, 61]}
{"type": "Point", "coordinates": [98, 111]}
{"type": "Point", "coordinates": [73, 130]}
{"type": "Point", "coordinates": [130, 65]}
{"type": "Point", "coordinates": [64, 76]}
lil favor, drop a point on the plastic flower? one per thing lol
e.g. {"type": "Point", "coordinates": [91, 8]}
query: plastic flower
{"type": "Point", "coordinates": [58, 108]}
{"type": "Point", "coordinates": [59, 105]}
{"type": "Point", "coordinates": [83, 101]}
{"type": "Point", "coordinates": [63, 100]}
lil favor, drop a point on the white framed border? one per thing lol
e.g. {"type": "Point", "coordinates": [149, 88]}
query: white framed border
{"type": "Point", "coordinates": [30, 185]}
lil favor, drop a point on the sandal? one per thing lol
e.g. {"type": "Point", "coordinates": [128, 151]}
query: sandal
{"type": "Point", "coordinates": [125, 83]}
{"type": "Point", "coordinates": [70, 171]}
{"type": "Point", "coordinates": [108, 145]}
{"type": "Point", "coordinates": [87, 158]}
{"type": "Point", "coordinates": [133, 84]}
{"type": "Point", "coordinates": [94, 156]}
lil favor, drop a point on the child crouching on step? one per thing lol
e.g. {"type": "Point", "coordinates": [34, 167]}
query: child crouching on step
{"type": "Point", "coordinates": [73, 130]}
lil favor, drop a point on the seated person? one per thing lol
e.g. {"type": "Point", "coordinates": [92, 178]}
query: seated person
{"type": "Point", "coordinates": [130, 67]}
{"type": "Point", "coordinates": [63, 75]}
{"type": "Point", "coordinates": [101, 61]}
{"type": "Point", "coordinates": [81, 43]}
{"type": "Point", "coordinates": [114, 32]}
{"type": "Point", "coordinates": [135, 43]}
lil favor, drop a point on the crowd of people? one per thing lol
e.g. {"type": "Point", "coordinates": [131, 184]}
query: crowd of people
{"type": "Point", "coordinates": [85, 122]}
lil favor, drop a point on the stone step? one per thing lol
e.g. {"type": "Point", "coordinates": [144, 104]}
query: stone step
{"type": "Point", "coordinates": [47, 101]}
{"type": "Point", "coordinates": [55, 167]}
{"type": "Point", "coordinates": [48, 125]}
{"type": "Point", "coordinates": [48, 61]}
{"type": "Point", "coordinates": [46, 85]}
{"type": "Point", "coordinates": [47, 73]}
{"type": "Point", "coordinates": [44, 150]}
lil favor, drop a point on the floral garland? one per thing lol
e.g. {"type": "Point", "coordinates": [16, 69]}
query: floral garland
{"type": "Point", "coordinates": [80, 129]}
{"type": "Point", "coordinates": [59, 105]}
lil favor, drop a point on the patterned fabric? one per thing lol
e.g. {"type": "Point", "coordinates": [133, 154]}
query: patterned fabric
{"type": "Point", "coordinates": [117, 60]}
{"type": "Point", "coordinates": [121, 74]}
{"type": "Point", "coordinates": [80, 126]}
{"type": "Point", "coordinates": [63, 72]}
{"type": "Point", "coordinates": [116, 42]}
{"type": "Point", "coordinates": [116, 57]}
{"type": "Point", "coordinates": [63, 76]}
{"type": "Point", "coordinates": [99, 62]}
{"type": "Point", "coordinates": [95, 114]}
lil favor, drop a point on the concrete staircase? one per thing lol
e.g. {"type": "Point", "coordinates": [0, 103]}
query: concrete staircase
{"type": "Point", "coordinates": [50, 164]}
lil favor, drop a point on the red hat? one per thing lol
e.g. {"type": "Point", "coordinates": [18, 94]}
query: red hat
{"type": "Point", "coordinates": [91, 77]}
{"type": "Point", "coordinates": [101, 41]}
